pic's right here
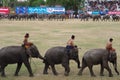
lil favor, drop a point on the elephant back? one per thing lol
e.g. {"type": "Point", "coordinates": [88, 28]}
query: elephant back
{"type": "Point", "coordinates": [54, 55]}
{"type": "Point", "coordinates": [58, 53]}
{"type": "Point", "coordinates": [55, 51]}
{"type": "Point", "coordinates": [95, 55]}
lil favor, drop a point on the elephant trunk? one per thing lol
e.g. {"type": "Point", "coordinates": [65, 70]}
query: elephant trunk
{"type": "Point", "coordinates": [78, 62]}
{"type": "Point", "coordinates": [41, 57]}
{"type": "Point", "coordinates": [115, 66]}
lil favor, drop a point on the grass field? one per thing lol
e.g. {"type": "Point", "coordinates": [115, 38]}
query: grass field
{"type": "Point", "coordinates": [47, 34]}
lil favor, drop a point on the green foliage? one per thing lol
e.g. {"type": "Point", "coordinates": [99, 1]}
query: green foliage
{"type": "Point", "coordinates": [5, 2]}
{"type": "Point", "coordinates": [36, 2]}
{"type": "Point", "coordinates": [22, 4]}
{"type": "Point", "coordinates": [68, 4]}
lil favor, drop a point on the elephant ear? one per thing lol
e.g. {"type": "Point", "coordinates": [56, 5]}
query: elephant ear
{"type": "Point", "coordinates": [28, 52]}
{"type": "Point", "coordinates": [112, 56]}
{"type": "Point", "coordinates": [75, 46]}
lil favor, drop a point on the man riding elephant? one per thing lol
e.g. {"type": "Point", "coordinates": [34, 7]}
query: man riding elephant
{"type": "Point", "coordinates": [26, 44]}
{"type": "Point", "coordinates": [70, 44]}
{"type": "Point", "coordinates": [109, 45]}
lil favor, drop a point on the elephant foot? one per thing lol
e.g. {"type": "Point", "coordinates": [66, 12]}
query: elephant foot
{"type": "Point", "coordinates": [31, 75]}
{"type": "Point", "coordinates": [80, 73]}
{"type": "Point", "coordinates": [79, 67]}
{"type": "Point", "coordinates": [56, 74]}
{"type": "Point", "coordinates": [118, 73]}
{"type": "Point", "coordinates": [15, 74]}
{"type": "Point", "coordinates": [3, 75]}
{"type": "Point", "coordinates": [66, 74]}
{"type": "Point", "coordinates": [93, 75]}
{"type": "Point", "coordinates": [45, 72]}
{"type": "Point", "coordinates": [101, 74]}
{"type": "Point", "coordinates": [110, 75]}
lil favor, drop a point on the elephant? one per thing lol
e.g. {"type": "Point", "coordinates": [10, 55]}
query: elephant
{"type": "Point", "coordinates": [13, 16]}
{"type": "Point", "coordinates": [59, 55]}
{"type": "Point", "coordinates": [19, 55]}
{"type": "Point", "coordinates": [99, 56]}
{"type": "Point", "coordinates": [96, 17]}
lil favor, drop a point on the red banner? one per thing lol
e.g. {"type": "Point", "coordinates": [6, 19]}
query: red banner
{"type": "Point", "coordinates": [4, 10]}
{"type": "Point", "coordinates": [114, 12]}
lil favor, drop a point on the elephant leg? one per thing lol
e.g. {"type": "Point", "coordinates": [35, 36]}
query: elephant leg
{"type": "Point", "coordinates": [108, 69]}
{"type": "Point", "coordinates": [116, 71]}
{"type": "Point", "coordinates": [46, 68]}
{"type": "Point", "coordinates": [67, 69]}
{"type": "Point", "coordinates": [115, 67]}
{"type": "Point", "coordinates": [78, 63]}
{"type": "Point", "coordinates": [101, 70]}
{"type": "Point", "coordinates": [18, 69]}
{"type": "Point", "coordinates": [27, 64]}
{"type": "Point", "coordinates": [91, 70]}
{"type": "Point", "coordinates": [82, 68]}
{"type": "Point", "coordinates": [3, 70]}
{"type": "Point", "coordinates": [0, 69]}
{"type": "Point", "coordinates": [54, 70]}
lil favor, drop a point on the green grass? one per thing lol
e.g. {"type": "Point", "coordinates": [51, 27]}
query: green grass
{"type": "Point", "coordinates": [47, 34]}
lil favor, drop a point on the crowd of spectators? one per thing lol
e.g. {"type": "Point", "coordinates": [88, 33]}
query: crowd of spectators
{"type": "Point", "coordinates": [102, 5]}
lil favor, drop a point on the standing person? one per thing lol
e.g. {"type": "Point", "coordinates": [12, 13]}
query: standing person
{"type": "Point", "coordinates": [25, 41]}
{"type": "Point", "coordinates": [109, 45]}
{"type": "Point", "coordinates": [70, 44]}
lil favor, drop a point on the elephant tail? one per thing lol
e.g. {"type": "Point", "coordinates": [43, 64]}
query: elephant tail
{"type": "Point", "coordinates": [84, 61]}
{"type": "Point", "coordinates": [45, 60]}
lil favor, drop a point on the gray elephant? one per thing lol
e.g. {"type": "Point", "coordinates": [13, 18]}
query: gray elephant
{"type": "Point", "coordinates": [58, 55]}
{"type": "Point", "coordinates": [19, 55]}
{"type": "Point", "coordinates": [99, 56]}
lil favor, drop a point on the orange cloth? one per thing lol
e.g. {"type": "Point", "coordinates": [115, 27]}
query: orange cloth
{"type": "Point", "coordinates": [26, 43]}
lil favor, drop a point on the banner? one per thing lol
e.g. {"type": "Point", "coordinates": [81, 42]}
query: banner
{"type": "Point", "coordinates": [4, 10]}
{"type": "Point", "coordinates": [103, 12]}
{"type": "Point", "coordinates": [114, 12]}
{"type": "Point", "coordinates": [21, 10]}
{"type": "Point", "coordinates": [95, 13]}
{"type": "Point", "coordinates": [56, 10]}
{"type": "Point", "coordinates": [40, 10]}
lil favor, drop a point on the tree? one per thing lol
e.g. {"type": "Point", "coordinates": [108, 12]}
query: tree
{"type": "Point", "coordinates": [36, 2]}
{"type": "Point", "coordinates": [50, 2]}
{"type": "Point", "coordinates": [68, 4]}
{"type": "Point", "coordinates": [5, 3]}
